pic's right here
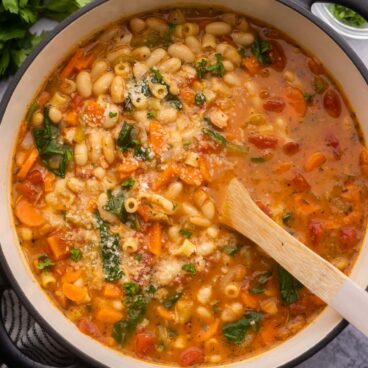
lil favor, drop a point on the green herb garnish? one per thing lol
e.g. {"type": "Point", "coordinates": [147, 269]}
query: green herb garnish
{"type": "Point", "coordinates": [128, 183]}
{"type": "Point", "coordinates": [347, 15]}
{"type": "Point", "coordinates": [286, 218]}
{"type": "Point", "coordinates": [151, 114]}
{"type": "Point", "coordinates": [171, 300]}
{"type": "Point", "coordinates": [75, 254]}
{"type": "Point", "coordinates": [220, 139]}
{"type": "Point", "coordinates": [54, 155]}
{"type": "Point", "coordinates": [289, 286]}
{"type": "Point", "coordinates": [131, 288]}
{"type": "Point", "coordinates": [190, 268]}
{"type": "Point", "coordinates": [186, 233]}
{"type": "Point", "coordinates": [112, 114]}
{"type": "Point", "coordinates": [200, 99]}
{"type": "Point", "coordinates": [216, 69]}
{"type": "Point", "coordinates": [138, 257]}
{"type": "Point", "coordinates": [260, 282]}
{"type": "Point", "coordinates": [230, 250]}
{"type": "Point", "coordinates": [44, 262]}
{"type": "Point", "coordinates": [258, 160]}
{"type": "Point", "coordinates": [32, 109]}
{"type": "Point", "coordinates": [261, 50]}
{"type": "Point", "coordinates": [110, 251]}
{"type": "Point", "coordinates": [235, 332]}
{"type": "Point", "coordinates": [308, 97]}
{"type": "Point", "coordinates": [175, 101]}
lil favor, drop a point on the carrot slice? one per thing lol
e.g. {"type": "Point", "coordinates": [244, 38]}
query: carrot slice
{"type": "Point", "coordinates": [71, 276]}
{"type": "Point", "coordinates": [72, 118]}
{"type": "Point", "coordinates": [250, 301]}
{"type": "Point", "coordinates": [108, 315]}
{"type": "Point", "coordinates": [314, 161]}
{"type": "Point", "coordinates": [157, 136]}
{"type": "Point", "coordinates": [144, 212]}
{"type": "Point", "coordinates": [111, 291]}
{"type": "Point", "coordinates": [211, 331]}
{"type": "Point", "coordinates": [58, 246]}
{"type": "Point", "coordinates": [75, 293]}
{"type": "Point", "coordinates": [155, 239]}
{"type": "Point", "coordinates": [28, 163]}
{"type": "Point", "coordinates": [204, 169]}
{"type": "Point", "coordinates": [28, 215]}
{"type": "Point", "coordinates": [252, 65]}
{"type": "Point", "coordinates": [190, 175]}
{"type": "Point", "coordinates": [70, 66]}
{"type": "Point", "coordinates": [165, 177]}
{"type": "Point", "coordinates": [296, 99]}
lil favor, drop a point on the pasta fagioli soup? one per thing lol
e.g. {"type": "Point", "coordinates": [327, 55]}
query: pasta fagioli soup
{"type": "Point", "coordinates": [124, 153]}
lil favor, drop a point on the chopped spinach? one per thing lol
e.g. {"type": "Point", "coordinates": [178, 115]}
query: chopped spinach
{"type": "Point", "coordinates": [288, 285]}
{"type": "Point", "coordinates": [44, 262]}
{"type": "Point", "coordinates": [128, 104]}
{"type": "Point", "coordinates": [260, 282]}
{"type": "Point", "coordinates": [175, 101]}
{"type": "Point", "coordinates": [258, 160]}
{"type": "Point", "coordinates": [151, 114]}
{"type": "Point", "coordinates": [128, 183]}
{"type": "Point", "coordinates": [110, 251]}
{"type": "Point", "coordinates": [186, 233]}
{"type": "Point", "coordinates": [75, 254]}
{"type": "Point", "coordinates": [131, 288]}
{"type": "Point", "coordinates": [170, 301]}
{"type": "Point", "coordinates": [32, 109]}
{"type": "Point", "coordinates": [156, 76]}
{"type": "Point", "coordinates": [190, 268]}
{"type": "Point", "coordinates": [220, 139]}
{"type": "Point", "coordinates": [115, 205]}
{"type": "Point", "coordinates": [261, 50]}
{"type": "Point", "coordinates": [54, 155]}
{"type": "Point", "coordinates": [230, 250]}
{"type": "Point", "coordinates": [200, 99]}
{"type": "Point", "coordinates": [138, 257]}
{"type": "Point", "coordinates": [112, 114]}
{"type": "Point", "coordinates": [235, 332]}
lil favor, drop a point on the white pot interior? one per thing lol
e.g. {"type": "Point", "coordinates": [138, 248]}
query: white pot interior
{"type": "Point", "coordinates": [308, 35]}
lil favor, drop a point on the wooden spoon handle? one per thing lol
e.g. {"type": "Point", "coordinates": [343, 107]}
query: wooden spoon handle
{"type": "Point", "coordinates": [323, 279]}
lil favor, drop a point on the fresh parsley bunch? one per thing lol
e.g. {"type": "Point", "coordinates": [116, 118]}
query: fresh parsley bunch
{"type": "Point", "coordinates": [16, 18]}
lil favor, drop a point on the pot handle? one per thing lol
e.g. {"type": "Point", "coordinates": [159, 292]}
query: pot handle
{"type": "Point", "coordinates": [360, 6]}
{"type": "Point", "coordinates": [9, 352]}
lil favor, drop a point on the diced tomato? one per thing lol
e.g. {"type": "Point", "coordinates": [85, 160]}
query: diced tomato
{"type": "Point", "coordinates": [290, 148]}
{"type": "Point", "coordinates": [88, 327]}
{"type": "Point", "coordinates": [263, 141]}
{"type": "Point", "coordinates": [300, 183]}
{"type": "Point", "coordinates": [348, 237]}
{"type": "Point", "coordinates": [264, 208]}
{"type": "Point", "coordinates": [191, 356]}
{"type": "Point", "coordinates": [277, 56]}
{"type": "Point", "coordinates": [274, 105]}
{"type": "Point", "coordinates": [35, 177]}
{"type": "Point", "coordinates": [29, 190]}
{"type": "Point", "coordinates": [316, 230]}
{"type": "Point", "coordinates": [207, 146]}
{"type": "Point", "coordinates": [315, 66]}
{"type": "Point", "coordinates": [77, 102]}
{"type": "Point", "coordinates": [332, 104]}
{"type": "Point", "coordinates": [296, 99]}
{"type": "Point", "coordinates": [144, 344]}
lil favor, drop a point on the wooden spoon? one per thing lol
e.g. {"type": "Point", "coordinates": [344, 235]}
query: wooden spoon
{"type": "Point", "coordinates": [319, 276]}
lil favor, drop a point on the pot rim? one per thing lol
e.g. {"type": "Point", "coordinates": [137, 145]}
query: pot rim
{"type": "Point", "coordinates": [297, 7]}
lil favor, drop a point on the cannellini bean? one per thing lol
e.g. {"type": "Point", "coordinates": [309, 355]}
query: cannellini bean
{"type": "Point", "coordinates": [232, 79]}
{"type": "Point", "coordinates": [190, 29]}
{"type": "Point", "coordinates": [95, 146]}
{"type": "Point", "coordinates": [37, 118]}
{"type": "Point", "coordinates": [203, 313]}
{"type": "Point", "coordinates": [188, 209]}
{"type": "Point", "coordinates": [140, 70]}
{"type": "Point", "coordinates": [171, 65]}
{"type": "Point", "coordinates": [99, 172]}
{"type": "Point", "coordinates": [157, 24]}
{"type": "Point", "coordinates": [102, 84]}
{"type": "Point", "coordinates": [209, 210]}
{"type": "Point", "coordinates": [98, 68]}
{"type": "Point", "coordinates": [25, 233]}
{"type": "Point", "coordinates": [108, 147]}
{"type": "Point", "coordinates": [137, 25]}
{"type": "Point", "coordinates": [228, 65]}
{"type": "Point", "coordinates": [80, 154]}
{"type": "Point", "coordinates": [218, 118]}
{"type": "Point", "coordinates": [206, 248]}
{"type": "Point", "coordinates": [75, 185]}
{"type": "Point", "coordinates": [232, 54]}
{"type": "Point", "coordinates": [204, 294]}
{"type": "Point", "coordinates": [139, 101]}
{"type": "Point", "coordinates": [230, 18]}
{"type": "Point", "coordinates": [182, 52]}
{"type": "Point", "coordinates": [222, 47]}
{"type": "Point", "coordinates": [213, 232]}
{"type": "Point", "coordinates": [269, 306]}
{"type": "Point", "coordinates": [84, 84]}
{"type": "Point", "coordinates": [218, 28]}
{"type": "Point", "coordinates": [167, 114]}
{"type": "Point", "coordinates": [200, 221]}
{"type": "Point", "coordinates": [173, 233]}
{"type": "Point", "coordinates": [200, 197]}
{"type": "Point", "coordinates": [208, 42]}
{"type": "Point", "coordinates": [174, 189]}
{"type": "Point", "coordinates": [117, 89]}
{"type": "Point", "coordinates": [155, 57]}
{"type": "Point", "coordinates": [141, 53]}
{"type": "Point", "coordinates": [55, 115]}
{"type": "Point", "coordinates": [194, 44]}
{"type": "Point", "coordinates": [243, 38]}
{"type": "Point", "coordinates": [117, 54]}
{"type": "Point", "coordinates": [111, 116]}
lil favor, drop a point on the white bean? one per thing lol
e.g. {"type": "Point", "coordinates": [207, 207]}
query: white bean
{"type": "Point", "coordinates": [141, 53]}
{"type": "Point", "coordinates": [80, 154]}
{"type": "Point", "coordinates": [171, 65]}
{"type": "Point", "coordinates": [155, 57]}
{"type": "Point", "coordinates": [194, 44]}
{"type": "Point", "coordinates": [243, 38]}
{"type": "Point", "coordinates": [84, 84]}
{"type": "Point", "coordinates": [139, 70]}
{"type": "Point", "coordinates": [218, 28]}
{"type": "Point", "coordinates": [182, 52]}
{"type": "Point", "coordinates": [108, 147]}
{"type": "Point", "coordinates": [98, 68]}
{"type": "Point", "coordinates": [117, 89]}
{"type": "Point", "coordinates": [157, 24]}
{"type": "Point", "coordinates": [55, 115]}
{"type": "Point", "coordinates": [102, 84]}
{"type": "Point", "coordinates": [232, 79]}
{"type": "Point", "coordinates": [137, 25]}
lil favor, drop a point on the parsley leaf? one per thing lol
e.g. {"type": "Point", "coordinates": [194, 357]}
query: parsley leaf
{"type": "Point", "coordinates": [190, 268]}
{"type": "Point", "coordinates": [216, 69]}
{"type": "Point", "coordinates": [261, 50]}
{"type": "Point", "coordinates": [186, 233]}
{"type": "Point", "coordinates": [200, 99]}
{"type": "Point", "coordinates": [44, 262]}
{"type": "Point", "coordinates": [170, 301]}
{"type": "Point", "coordinates": [287, 216]}
{"type": "Point", "coordinates": [112, 114]}
{"type": "Point", "coordinates": [131, 288]}
{"type": "Point", "coordinates": [151, 114]}
{"type": "Point", "coordinates": [75, 254]}
{"type": "Point", "coordinates": [128, 183]}
{"type": "Point", "coordinates": [347, 15]}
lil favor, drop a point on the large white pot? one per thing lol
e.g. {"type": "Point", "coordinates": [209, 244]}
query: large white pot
{"type": "Point", "coordinates": [285, 15]}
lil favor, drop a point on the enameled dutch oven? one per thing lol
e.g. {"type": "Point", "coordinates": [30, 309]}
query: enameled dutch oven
{"type": "Point", "coordinates": [290, 16]}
